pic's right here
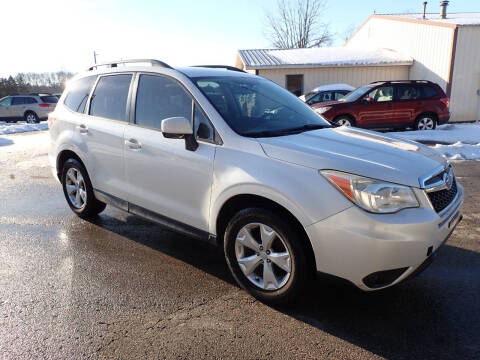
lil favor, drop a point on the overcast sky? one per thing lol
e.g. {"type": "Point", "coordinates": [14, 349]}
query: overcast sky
{"type": "Point", "coordinates": [52, 35]}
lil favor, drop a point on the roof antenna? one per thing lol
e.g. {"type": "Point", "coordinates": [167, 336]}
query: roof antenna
{"type": "Point", "coordinates": [424, 9]}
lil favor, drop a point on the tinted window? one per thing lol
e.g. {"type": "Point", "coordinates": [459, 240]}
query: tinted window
{"type": "Point", "coordinates": [18, 101]}
{"type": "Point", "coordinates": [356, 94]}
{"type": "Point", "coordinates": [428, 92]}
{"type": "Point", "coordinates": [30, 100]}
{"type": "Point", "coordinates": [381, 94]}
{"type": "Point", "coordinates": [159, 98]}
{"type": "Point", "coordinates": [78, 93]}
{"type": "Point", "coordinates": [257, 107]}
{"type": "Point", "coordinates": [408, 92]}
{"type": "Point", "coordinates": [109, 100]}
{"type": "Point", "coordinates": [203, 128]}
{"type": "Point", "coordinates": [49, 99]}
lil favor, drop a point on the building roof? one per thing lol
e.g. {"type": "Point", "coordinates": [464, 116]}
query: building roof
{"type": "Point", "coordinates": [321, 57]}
{"type": "Point", "coordinates": [472, 18]}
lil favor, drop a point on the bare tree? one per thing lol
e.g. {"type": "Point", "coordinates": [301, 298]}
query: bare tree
{"type": "Point", "coordinates": [298, 24]}
{"type": "Point", "coordinates": [347, 34]}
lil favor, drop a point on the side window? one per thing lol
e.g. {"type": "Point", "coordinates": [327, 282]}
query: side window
{"type": "Point", "coordinates": [381, 94]}
{"type": "Point", "coordinates": [327, 96]}
{"type": "Point", "coordinates": [340, 94]}
{"type": "Point", "coordinates": [77, 96]}
{"type": "Point", "coordinates": [109, 99]}
{"type": "Point", "coordinates": [428, 92]}
{"type": "Point", "coordinates": [407, 92]}
{"type": "Point", "coordinates": [6, 102]}
{"type": "Point", "coordinates": [158, 98]}
{"type": "Point", "coordinates": [314, 99]}
{"type": "Point", "coordinates": [203, 128]}
{"type": "Point", "coordinates": [30, 100]}
{"type": "Point", "coordinates": [18, 101]}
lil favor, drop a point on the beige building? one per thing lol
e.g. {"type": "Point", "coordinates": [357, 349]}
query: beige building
{"type": "Point", "coordinates": [388, 47]}
{"type": "Point", "coordinates": [445, 51]}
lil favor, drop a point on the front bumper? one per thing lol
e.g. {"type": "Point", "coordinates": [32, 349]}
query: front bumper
{"type": "Point", "coordinates": [354, 244]}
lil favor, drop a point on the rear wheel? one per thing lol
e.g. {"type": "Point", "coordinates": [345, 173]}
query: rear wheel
{"type": "Point", "coordinates": [265, 255]}
{"type": "Point", "coordinates": [344, 121]}
{"type": "Point", "coordinates": [425, 122]}
{"type": "Point", "coordinates": [31, 118]}
{"type": "Point", "coordinates": [78, 190]}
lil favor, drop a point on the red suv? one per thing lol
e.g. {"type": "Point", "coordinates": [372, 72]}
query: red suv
{"type": "Point", "coordinates": [419, 104]}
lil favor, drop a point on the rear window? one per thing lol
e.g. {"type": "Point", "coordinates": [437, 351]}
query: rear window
{"type": "Point", "coordinates": [429, 92]}
{"type": "Point", "coordinates": [78, 94]}
{"type": "Point", "coordinates": [109, 100]}
{"type": "Point", "coordinates": [49, 99]}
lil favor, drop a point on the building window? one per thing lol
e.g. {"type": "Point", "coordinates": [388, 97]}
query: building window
{"type": "Point", "coordinates": [294, 84]}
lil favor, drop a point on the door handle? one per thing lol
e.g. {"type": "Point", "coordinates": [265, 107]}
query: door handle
{"type": "Point", "coordinates": [133, 144]}
{"type": "Point", "coordinates": [83, 129]}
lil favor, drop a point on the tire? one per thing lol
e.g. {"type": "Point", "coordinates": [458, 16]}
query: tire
{"type": "Point", "coordinates": [85, 206]}
{"type": "Point", "coordinates": [344, 121]}
{"type": "Point", "coordinates": [31, 118]}
{"type": "Point", "coordinates": [287, 281]}
{"type": "Point", "coordinates": [425, 122]}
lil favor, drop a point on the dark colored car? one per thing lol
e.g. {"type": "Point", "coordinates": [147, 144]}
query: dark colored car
{"type": "Point", "coordinates": [419, 104]}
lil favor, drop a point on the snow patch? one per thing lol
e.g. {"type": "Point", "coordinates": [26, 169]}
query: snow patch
{"type": "Point", "coordinates": [454, 141]}
{"type": "Point", "coordinates": [21, 128]}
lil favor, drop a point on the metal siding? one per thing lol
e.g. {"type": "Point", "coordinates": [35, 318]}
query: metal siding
{"type": "Point", "coordinates": [355, 76]}
{"type": "Point", "coordinates": [465, 103]}
{"type": "Point", "coordinates": [430, 46]}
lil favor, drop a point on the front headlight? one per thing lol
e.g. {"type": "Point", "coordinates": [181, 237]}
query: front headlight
{"type": "Point", "coordinates": [323, 109]}
{"type": "Point", "coordinates": [372, 195]}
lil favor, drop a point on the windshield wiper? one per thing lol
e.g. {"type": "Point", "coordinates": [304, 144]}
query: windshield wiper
{"type": "Point", "coordinates": [297, 130]}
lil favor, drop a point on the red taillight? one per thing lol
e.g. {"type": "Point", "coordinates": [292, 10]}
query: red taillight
{"type": "Point", "coordinates": [51, 120]}
{"type": "Point", "coordinates": [446, 101]}
{"type": "Point", "coordinates": [44, 105]}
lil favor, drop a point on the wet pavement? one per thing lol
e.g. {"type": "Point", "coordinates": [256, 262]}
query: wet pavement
{"type": "Point", "coordinates": [123, 288]}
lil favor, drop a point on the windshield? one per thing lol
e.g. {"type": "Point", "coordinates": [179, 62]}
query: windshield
{"type": "Point", "coordinates": [355, 94]}
{"type": "Point", "coordinates": [257, 107]}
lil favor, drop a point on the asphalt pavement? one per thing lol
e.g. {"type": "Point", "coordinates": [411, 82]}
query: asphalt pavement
{"type": "Point", "coordinates": [123, 288]}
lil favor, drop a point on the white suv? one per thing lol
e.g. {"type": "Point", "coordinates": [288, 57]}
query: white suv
{"type": "Point", "coordinates": [237, 160]}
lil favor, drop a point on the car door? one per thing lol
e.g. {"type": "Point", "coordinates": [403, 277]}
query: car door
{"type": "Point", "coordinates": [163, 176]}
{"type": "Point", "coordinates": [407, 98]}
{"type": "Point", "coordinates": [376, 108]}
{"type": "Point", "coordinates": [17, 108]}
{"type": "Point", "coordinates": [102, 131]}
{"type": "Point", "coordinates": [5, 108]}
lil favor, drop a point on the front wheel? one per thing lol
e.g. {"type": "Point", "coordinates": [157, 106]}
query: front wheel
{"type": "Point", "coordinates": [425, 122]}
{"type": "Point", "coordinates": [78, 190]}
{"type": "Point", "coordinates": [265, 255]}
{"type": "Point", "coordinates": [344, 121]}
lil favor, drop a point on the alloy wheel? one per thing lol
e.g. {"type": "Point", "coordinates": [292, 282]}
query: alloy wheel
{"type": "Point", "coordinates": [344, 122]}
{"type": "Point", "coordinates": [31, 119]}
{"type": "Point", "coordinates": [76, 188]}
{"type": "Point", "coordinates": [263, 256]}
{"type": "Point", "coordinates": [425, 123]}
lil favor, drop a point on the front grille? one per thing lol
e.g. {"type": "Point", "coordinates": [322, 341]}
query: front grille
{"type": "Point", "coordinates": [442, 198]}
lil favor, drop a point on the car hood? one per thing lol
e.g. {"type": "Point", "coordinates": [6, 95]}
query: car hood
{"type": "Point", "coordinates": [326, 103]}
{"type": "Point", "coordinates": [356, 151]}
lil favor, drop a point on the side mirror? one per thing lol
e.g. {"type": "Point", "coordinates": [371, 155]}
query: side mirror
{"type": "Point", "coordinates": [180, 128]}
{"type": "Point", "coordinates": [369, 100]}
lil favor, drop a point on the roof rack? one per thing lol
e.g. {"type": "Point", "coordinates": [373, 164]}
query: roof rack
{"type": "Point", "coordinates": [112, 64]}
{"type": "Point", "coordinates": [226, 67]}
{"type": "Point", "coordinates": [401, 81]}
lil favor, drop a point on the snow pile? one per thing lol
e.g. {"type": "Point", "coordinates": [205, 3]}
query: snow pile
{"type": "Point", "coordinates": [452, 18]}
{"type": "Point", "coordinates": [459, 151]}
{"type": "Point", "coordinates": [21, 128]}
{"type": "Point", "coordinates": [454, 141]}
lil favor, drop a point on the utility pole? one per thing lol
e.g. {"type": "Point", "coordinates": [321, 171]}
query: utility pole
{"type": "Point", "coordinates": [95, 57]}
